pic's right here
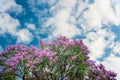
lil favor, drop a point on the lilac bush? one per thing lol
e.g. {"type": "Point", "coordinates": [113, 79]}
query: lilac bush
{"type": "Point", "coordinates": [60, 59]}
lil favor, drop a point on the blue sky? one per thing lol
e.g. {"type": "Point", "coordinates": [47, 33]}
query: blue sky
{"type": "Point", "coordinates": [96, 22]}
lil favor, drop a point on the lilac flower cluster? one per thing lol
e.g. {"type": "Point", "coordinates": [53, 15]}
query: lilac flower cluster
{"type": "Point", "coordinates": [21, 58]}
{"type": "Point", "coordinates": [62, 41]}
{"type": "Point", "coordinates": [98, 72]}
{"type": "Point", "coordinates": [61, 58]}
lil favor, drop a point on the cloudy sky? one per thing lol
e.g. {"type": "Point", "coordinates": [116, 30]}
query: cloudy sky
{"type": "Point", "coordinates": [96, 22]}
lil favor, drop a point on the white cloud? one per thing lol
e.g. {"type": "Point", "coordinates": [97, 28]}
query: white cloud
{"type": "Point", "coordinates": [30, 26]}
{"type": "Point", "coordinates": [116, 48]}
{"type": "Point", "coordinates": [8, 24]}
{"type": "Point", "coordinates": [97, 47]}
{"type": "Point", "coordinates": [98, 13]}
{"type": "Point", "coordinates": [113, 63]}
{"type": "Point", "coordinates": [39, 2]}
{"type": "Point", "coordinates": [61, 21]}
{"type": "Point", "coordinates": [99, 41]}
{"type": "Point", "coordinates": [9, 5]}
{"type": "Point", "coordinates": [61, 26]}
{"type": "Point", "coordinates": [101, 13]}
{"type": "Point", "coordinates": [24, 36]}
{"type": "Point", "coordinates": [116, 7]}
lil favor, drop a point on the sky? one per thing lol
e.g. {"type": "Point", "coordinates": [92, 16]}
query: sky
{"type": "Point", "coordinates": [96, 22]}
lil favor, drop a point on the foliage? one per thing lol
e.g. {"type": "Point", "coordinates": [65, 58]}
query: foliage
{"type": "Point", "coordinates": [61, 59]}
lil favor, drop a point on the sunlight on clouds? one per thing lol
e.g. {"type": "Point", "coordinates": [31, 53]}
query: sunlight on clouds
{"type": "Point", "coordinates": [98, 41]}
{"type": "Point", "coordinates": [61, 25]}
{"type": "Point", "coordinates": [68, 30]}
{"type": "Point", "coordinates": [30, 26]}
{"type": "Point", "coordinates": [24, 36]}
{"type": "Point", "coordinates": [80, 7]}
{"type": "Point", "coordinates": [9, 5]}
{"type": "Point", "coordinates": [8, 24]}
{"type": "Point", "coordinates": [116, 7]}
{"type": "Point", "coordinates": [116, 48]}
{"type": "Point", "coordinates": [101, 13]}
{"type": "Point", "coordinates": [97, 47]}
{"type": "Point", "coordinates": [61, 20]}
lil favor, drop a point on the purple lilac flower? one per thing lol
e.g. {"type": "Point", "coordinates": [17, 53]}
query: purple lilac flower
{"type": "Point", "coordinates": [112, 74]}
{"type": "Point", "coordinates": [90, 62]}
{"type": "Point", "coordinates": [31, 57]}
{"type": "Point", "coordinates": [101, 66]}
{"type": "Point", "coordinates": [32, 64]}
{"type": "Point", "coordinates": [12, 62]}
{"type": "Point", "coordinates": [33, 48]}
{"type": "Point", "coordinates": [74, 57]}
{"type": "Point", "coordinates": [9, 48]}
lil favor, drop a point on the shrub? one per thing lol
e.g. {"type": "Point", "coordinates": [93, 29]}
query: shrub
{"type": "Point", "coordinates": [60, 59]}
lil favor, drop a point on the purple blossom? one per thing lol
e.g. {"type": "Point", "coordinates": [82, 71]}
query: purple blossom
{"type": "Point", "coordinates": [111, 73]}
{"type": "Point", "coordinates": [101, 66]}
{"type": "Point", "coordinates": [86, 52]}
{"type": "Point", "coordinates": [74, 57]}
{"type": "Point", "coordinates": [9, 48]}
{"type": "Point", "coordinates": [90, 62]}
{"type": "Point", "coordinates": [12, 62]}
{"type": "Point", "coordinates": [38, 60]}
{"type": "Point", "coordinates": [32, 64]}
{"type": "Point", "coordinates": [55, 57]}
{"type": "Point", "coordinates": [30, 57]}
{"type": "Point", "coordinates": [42, 43]}
{"type": "Point", "coordinates": [33, 48]}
